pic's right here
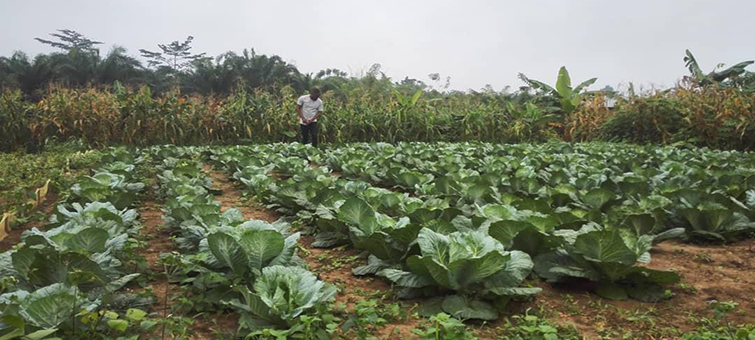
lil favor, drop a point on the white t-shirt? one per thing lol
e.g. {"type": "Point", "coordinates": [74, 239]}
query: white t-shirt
{"type": "Point", "coordinates": [309, 107]}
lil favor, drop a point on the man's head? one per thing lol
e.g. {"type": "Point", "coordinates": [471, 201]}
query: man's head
{"type": "Point", "coordinates": [314, 93]}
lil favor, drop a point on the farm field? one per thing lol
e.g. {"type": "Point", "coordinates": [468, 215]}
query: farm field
{"type": "Point", "coordinates": [379, 241]}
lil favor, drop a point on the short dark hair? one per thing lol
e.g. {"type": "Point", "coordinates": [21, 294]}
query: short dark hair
{"type": "Point", "coordinates": [315, 90]}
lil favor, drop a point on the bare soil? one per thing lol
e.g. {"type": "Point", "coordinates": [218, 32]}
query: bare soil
{"type": "Point", "coordinates": [14, 235]}
{"type": "Point", "coordinates": [232, 197]}
{"type": "Point", "coordinates": [729, 277]}
{"type": "Point", "coordinates": [335, 265]}
{"type": "Point", "coordinates": [154, 233]}
{"type": "Point", "coordinates": [158, 241]}
{"type": "Point", "coordinates": [711, 273]}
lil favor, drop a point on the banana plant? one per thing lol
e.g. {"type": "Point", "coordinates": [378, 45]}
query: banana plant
{"type": "Point", "coordinates": [405, 101]}
{"type": "Point", "coordinates": [714, 76]}
{"type": "Point", "coordinates": [568, 96]}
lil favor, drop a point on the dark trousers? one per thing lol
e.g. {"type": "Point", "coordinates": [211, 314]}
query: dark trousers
{"type": "Point", "coordinates": [309, 132]}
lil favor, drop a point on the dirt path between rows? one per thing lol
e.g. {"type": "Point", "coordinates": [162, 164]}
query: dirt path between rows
{"type": "Point", "coordinates": [335, 266]}
{"type": "Point", "coordinates": [154, 233]}
{"type": "Point", "coordinates": [157, 240]}
{"type": "Point", "coordinates": [224, 324]}
{"type": "Point", "coordinates": [13, 236]}
{"type": "Point", "coordinates": [232, 197]}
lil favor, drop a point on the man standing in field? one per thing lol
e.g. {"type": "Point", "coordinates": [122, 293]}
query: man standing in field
{"type": "Point", "coordinates": [309, 108]}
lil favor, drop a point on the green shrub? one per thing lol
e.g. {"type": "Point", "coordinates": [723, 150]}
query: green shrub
{"type": "Point", "coordinates": [645, 120]}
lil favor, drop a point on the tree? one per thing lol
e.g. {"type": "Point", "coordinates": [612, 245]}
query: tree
{"type": "Point", "coordinates": [27, 74]}
{"type": "Point", "coordinates": [714, 76]}
{"type": "Point", "coordinates": [410, 85]}
{"type": "Point", "coordinates": [75, 68]}
{"type": "Point", "coordinates": [439, 81]}
{"type": "Point", "coordinates": [331, 72]}
{"type": "Point", "coordinates": [118, 65]}
{"type": "Point", "coordinates": [247, 69]}
{"type": "Point", "coordinates": [77, 64]}
{"type": "Point", "coordinates": [71, 40]}
{"type": "Point", "coordinates": [176, 55]}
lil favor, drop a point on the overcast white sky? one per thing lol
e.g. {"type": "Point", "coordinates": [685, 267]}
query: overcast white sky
{"type": "Point", "coordinates": [474, 42]}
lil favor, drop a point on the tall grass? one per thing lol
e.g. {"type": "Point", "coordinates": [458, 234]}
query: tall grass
{"type": "Point", "coordinates": [714, 117]}
{"type": "Point", "coordinates": [102, 117]}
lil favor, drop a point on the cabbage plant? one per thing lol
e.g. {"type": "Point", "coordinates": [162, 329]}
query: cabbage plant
{"type": "Point", "coordinates": [247, 249]}
{"type": "Point", "coordinates": [611, 257]}
{"type": "Point", "coordinates": [107, 187]}
{"type": "Point", "coordinates": [278, 297]}
{"type": "Point", "coordinates": [96, 214]}
{"type": "Point", "coordinates": [469, 269]}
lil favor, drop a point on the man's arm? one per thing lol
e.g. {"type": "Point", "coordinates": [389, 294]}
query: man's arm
{"type": "Point", "coordinates": [316, 116]}
{"type": "Point", "coordinates": [301, 116]}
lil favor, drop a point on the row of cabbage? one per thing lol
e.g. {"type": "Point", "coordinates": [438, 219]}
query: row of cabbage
{"type": "Point", "coordinates": [587, 211]}
{"type": "Point", "coordinates": [650, 189]}
{"type": "Point", "coordinates": [66, 280]}
{"type": "Point", "coordinates": [250, 267]}
{"type": "Point", "coordinates": [463, 272]}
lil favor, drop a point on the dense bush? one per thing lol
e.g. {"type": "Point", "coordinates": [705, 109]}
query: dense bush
{"type": "Point", "coordinates": [655, 119]}
{"type": "Point", "coordinates": [721, 118]}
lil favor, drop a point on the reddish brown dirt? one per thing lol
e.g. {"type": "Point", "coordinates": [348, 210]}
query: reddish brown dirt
{"type": "Point", "coordinates": [153, 232]}
{"type": "Point", "coordinates": [232, 197]}
{"type": "Point", "coordinates": [278, 176]}
{"type": "Point", "coordinates": [730, 277]}
{"type": "Point", "coordinates": [14, 235]}
{"type": "Point", "coordinates": [334, 266]}
{"type": "Point", "coordinates": [158, 240]}
{"type": "Point", "coordinates": [722, 273]}
{"type": "Point", "coordinates": [214, 326]}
